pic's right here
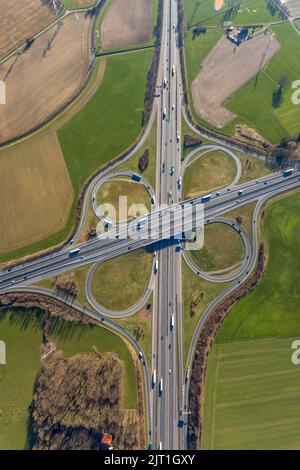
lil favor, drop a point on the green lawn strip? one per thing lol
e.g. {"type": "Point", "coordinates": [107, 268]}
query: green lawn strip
{"type": "Point", "coordinates": [193, 286]}
{"type": "Point", "coordinates": [74, 338]}
{"type": "Point", "coordinates": [74, 4]}
{"type": "Point", "coordinates": [249, 12]}
{"type": "Point", "coordinates": [252, 396]}
{"type": "Point", "coordinates": [211, 171]}
{"type": "Point", "coordinates": [132, 164]}
{"type": "Point", "coordinates": [119, 283]}
{"type": "Point", "coordinates": [22, 333]}
{"type": "Point", "coordinates": [223, 248]}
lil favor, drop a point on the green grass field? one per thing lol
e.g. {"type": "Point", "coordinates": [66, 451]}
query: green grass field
{"type": "Point", "coordinates": [111, 121]}
{"type": "Point", "coordinates": [119, 283]}
{"type": "Point", "coordinates": [252, 396]}
{"type": "Point", "coordinates": [219, 170]}
{"type": "Point", "coordinates": [23, 336]}
{"type": "Point", "coordinates": [223, 248]}
{"type": "Point", "coordinates": [252, 388]}
{"type": "Point", "coordinates": [250, 12]}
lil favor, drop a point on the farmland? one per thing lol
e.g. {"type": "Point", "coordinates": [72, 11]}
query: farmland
{"type": "Point", "coordinates": [127, 23]}
{"type": "Point", "coordinates": [256, 336]}
{"type": "Point", "coordinates": [19, 24]}
{"type": "Point", "coordinates": [252, 396]}
{"type": "Point", "coordinates": [59, 58]}
{"type": "Point", "coordinates": [225, 70]}
{"type": "Point", "coordinates": [248, 12]}
{"type": "Point", "coordinates": [45, 211]}
{"type": "Point", "coordinates": [274, 121]}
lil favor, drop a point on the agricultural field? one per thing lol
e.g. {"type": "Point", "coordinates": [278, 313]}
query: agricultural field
{"type": "Point", "coordinates": [276, 119]}
{"type": "Point", "coordinates": [120, 283]}
{"type": "Point", "coordinates": [219, 170]}
{"type": "Point", "coordinates": [44, 211]}
{"type": "Point", "coordinates": [236, 11]}
{"type": "Point", "coordinates": [226, 69]}
{"type": "Point", "coordinates": [260, 408]}
{"type": "Point", "coordinates": [252, 396]}
{"type": "Point", "coordinates": [73, 4]}
{"type": "Point", "coordinates": [19, 24]}
{"type": "Point", "coordinates": [60, 59]}
{"type": "Point", "coordinates": [126, 23]}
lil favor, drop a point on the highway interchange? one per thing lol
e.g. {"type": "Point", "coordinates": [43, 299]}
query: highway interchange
{"type": "Point", "coordinates": [167, 395]}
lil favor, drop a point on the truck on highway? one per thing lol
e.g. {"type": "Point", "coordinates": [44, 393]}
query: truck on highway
{"type": "Point", "coordinates": [165, 82]}
{"type": "Point", "coordinates": [164, 114]}
{"type": "Point", "coordinates": [156, 267]}
{"type": "Point", "coordinates": [178, 137]}
{"type": "Point", "coordinates": [74, 252]}
{"type": "Point", "coordinates": [179, 182]}
{"type": "Point", "coordinates": [288, 172]}
{"type": "Point", "coordinates": [206, 198]}
{"type": "Point", "coordinates": [154, 378]}
{"type": "Point", "coordinates": [153, 200]}
{"type": "Point", "coordinates": [187, 374]}
{"type": "Point", "coordinates": [172, 323]}
{"type": "Point", "coordinates": [240, 192]}
{"type": "Point", "coordinates": [161, 386]}
{"type": "Point", "coordinates": [136, 177]}
{"type": "Point", "coordinates": [173, 70]}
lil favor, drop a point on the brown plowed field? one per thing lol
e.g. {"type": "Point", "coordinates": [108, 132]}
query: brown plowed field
{"type": "Point", "coordinates": [127, 23]}
{"type": "Point", "coordinates": [36, 192]}
{"type": "Point", "coordinates": [226, 69]}
{"type": "Point", "coordinates": [40, 80]}
{"type": "Point", "coordinates": [22, 19]}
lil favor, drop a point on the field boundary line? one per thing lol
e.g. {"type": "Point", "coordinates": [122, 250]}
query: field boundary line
{"type": "Point", "coordinates": [257, 376]}
{"type": "Point", "coordinates": [258, 400]}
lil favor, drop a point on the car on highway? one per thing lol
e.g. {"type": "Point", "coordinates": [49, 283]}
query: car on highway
{"type": "Point", "coordinates": [163, 167]}
{"type": "Point", "coordinates": [172, 170]}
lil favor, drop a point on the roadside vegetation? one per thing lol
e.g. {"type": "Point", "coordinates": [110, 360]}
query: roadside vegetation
{"type": "Point", "coordinates": [256, 337]}
{"type": "Point", "coordinates": [120, 283]}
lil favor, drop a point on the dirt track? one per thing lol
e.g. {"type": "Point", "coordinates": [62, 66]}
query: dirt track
{"type": "Point", "coordinates": [40, 80]}
{"type": "Point", "coordinates": [17, 23]}
{"type": "Point", "coordinates": [127, 23]}
{"type": "Point", "coordinates": [225, 70]}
